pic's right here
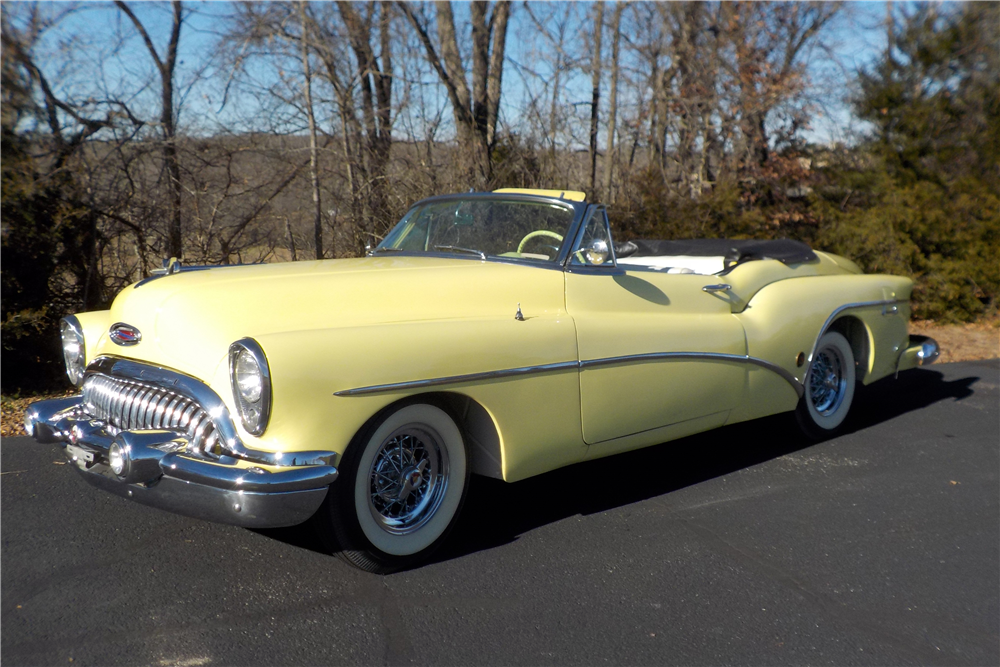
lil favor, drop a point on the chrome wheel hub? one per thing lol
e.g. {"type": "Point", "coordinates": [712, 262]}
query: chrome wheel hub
{"type": "Point", "coordinates": [407, 480]}
{"type": "Point", "coordinates": [827, 381]}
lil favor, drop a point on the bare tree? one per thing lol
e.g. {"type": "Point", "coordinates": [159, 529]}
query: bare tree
{"type": "Point", "coordinates": [595, 95]}
{"type": "Point", "coordinates": [476, 113]}
{"type": "Point", "coordinates": [165, 65]}
{"type": "Point", "coordinates": [767, 41]}
{"type": "Point", "coordinates": [313, 148]}
{"type": "Point", "coordinates": [553, 28]}
{"type": "Point", "coordinates": [610, 154]}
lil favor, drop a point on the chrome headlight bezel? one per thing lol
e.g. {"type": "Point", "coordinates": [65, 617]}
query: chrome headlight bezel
{"type": "Point", "coordinates": [74, 349]}
{"type": "Point", "coordinates": [254, 415]}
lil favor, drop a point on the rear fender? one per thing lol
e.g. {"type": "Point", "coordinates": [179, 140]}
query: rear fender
{"type": "Point", "coordinates": [785, 320]}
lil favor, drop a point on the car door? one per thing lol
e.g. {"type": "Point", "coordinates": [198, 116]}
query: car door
{"type": "Point", "coordinates": [655, 349]}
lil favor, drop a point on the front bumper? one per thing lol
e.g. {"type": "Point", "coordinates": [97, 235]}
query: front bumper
{"type": "Point", "coordinates": [157, 470]}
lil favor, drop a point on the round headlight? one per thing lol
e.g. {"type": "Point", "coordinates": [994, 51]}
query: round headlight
{"type": "Point", "coordinates": [251, 381]}
{"type": "Point", "coordinates": [248, 377]}
{"type": "Point", "coordinates": [74, 350]}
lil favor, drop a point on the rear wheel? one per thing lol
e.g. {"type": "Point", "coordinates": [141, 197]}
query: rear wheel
{"type": "Point", "coordinates": [829, 389]}
{"type": "Point", "coordinates": [403, 482]}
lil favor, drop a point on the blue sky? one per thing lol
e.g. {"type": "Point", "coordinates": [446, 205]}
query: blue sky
{"type": "Point", "coordinates": [97, 48]}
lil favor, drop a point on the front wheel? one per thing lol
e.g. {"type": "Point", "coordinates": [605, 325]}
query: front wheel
{"type": "Point", "coordinates": [403, 481]}
{"type": "Point", "coordinates": [829, 389]}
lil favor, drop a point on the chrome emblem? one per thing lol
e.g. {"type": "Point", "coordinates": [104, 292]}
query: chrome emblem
{"type": "Point", "coordinates": [125, 334]}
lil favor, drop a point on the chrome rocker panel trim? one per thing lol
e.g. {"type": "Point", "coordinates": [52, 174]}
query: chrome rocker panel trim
{"type": "Point", "coordinates": [578, 365]}
{"type": "Point", "coordinates": [158, 473]}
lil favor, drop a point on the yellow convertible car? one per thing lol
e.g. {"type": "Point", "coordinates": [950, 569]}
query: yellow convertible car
{"type": "Point", "coordinates": [504, 334]}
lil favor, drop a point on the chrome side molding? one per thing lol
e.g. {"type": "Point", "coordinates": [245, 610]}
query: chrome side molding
{"type": "Point", "coordinates": [578, 365]}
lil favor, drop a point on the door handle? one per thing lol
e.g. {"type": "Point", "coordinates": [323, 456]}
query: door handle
{"type": "Point", "coordinates": [717, 288]}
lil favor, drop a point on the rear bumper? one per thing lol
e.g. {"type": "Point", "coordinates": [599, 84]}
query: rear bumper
{"type": "Point", "coordinates": [153, 468]}
{"type": "Point", "coordinates": [921, 351]}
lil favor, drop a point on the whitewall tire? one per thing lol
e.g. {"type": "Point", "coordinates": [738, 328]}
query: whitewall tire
{"type": "Point", "coordinates": [829, 387]}
{"type": "Point", "coordinates": [403, 482]}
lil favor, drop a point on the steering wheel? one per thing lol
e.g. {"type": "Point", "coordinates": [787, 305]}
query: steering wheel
{"type": "Point", "coordinates": [535, 234]}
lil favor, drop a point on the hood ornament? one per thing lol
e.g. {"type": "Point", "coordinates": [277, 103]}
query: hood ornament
{"type": "Point", "coordinates": [519, 316]}
{"type": "Point", "coordinates": [125, 334]}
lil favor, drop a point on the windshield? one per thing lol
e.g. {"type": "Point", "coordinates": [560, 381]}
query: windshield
{"type": "Point", "coordinates": [484, 227]}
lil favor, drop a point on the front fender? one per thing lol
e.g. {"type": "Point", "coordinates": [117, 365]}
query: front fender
{"type": "Point", "coordinates": [95, 326]}
{"type": "Point", "coordinates": [308, 368]}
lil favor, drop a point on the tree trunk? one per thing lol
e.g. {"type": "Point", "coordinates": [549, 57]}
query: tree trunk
{"type": "Point", "coordinates": [595, 94]}
{"type": "Point", "coordinates": [313, 149]}
{"type": "Point", "coordinates": [476, 113]}
{"type": "Point", "coordinates": [609, 160]}
{"type": "Point", "coordinates": [171, 159]}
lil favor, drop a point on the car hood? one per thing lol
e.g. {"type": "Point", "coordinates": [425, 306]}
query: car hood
{"type": "Point", "coordinates": [188, 320]}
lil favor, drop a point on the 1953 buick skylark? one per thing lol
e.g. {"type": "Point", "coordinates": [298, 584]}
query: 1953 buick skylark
{"type": "Point", "coordinates": [504, 334]}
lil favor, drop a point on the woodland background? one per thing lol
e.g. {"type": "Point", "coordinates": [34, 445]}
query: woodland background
{"type": "Point", "coordinates": [303, 130]}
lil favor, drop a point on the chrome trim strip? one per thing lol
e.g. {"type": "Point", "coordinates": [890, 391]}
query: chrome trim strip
{"type": "Point", "coordinates": [788, 376]}
{"type": "Point", "coordinates": [580, 365]}
{"type": "Point", "coordinates": [705, 356]}
{"type": "Point", "coordinates": [838, 311]}
{"type": "Point", "coordinates": [454, 379]}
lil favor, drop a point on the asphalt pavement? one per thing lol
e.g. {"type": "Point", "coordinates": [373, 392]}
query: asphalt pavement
{"type": "Point", "coordinates": [745, 545]}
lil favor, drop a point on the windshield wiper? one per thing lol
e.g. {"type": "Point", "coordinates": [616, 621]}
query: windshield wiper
{"type": "Point", "coordinates": [378, 250]}
{"type": "Point", "coordinates": [455, 248]}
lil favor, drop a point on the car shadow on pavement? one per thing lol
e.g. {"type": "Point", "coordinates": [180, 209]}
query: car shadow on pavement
{"type": "Point", "coordinates": [496, 512]}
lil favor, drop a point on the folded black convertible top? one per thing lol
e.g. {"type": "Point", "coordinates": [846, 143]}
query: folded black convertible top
{"type": "Point", "coordinates": [734, 252]}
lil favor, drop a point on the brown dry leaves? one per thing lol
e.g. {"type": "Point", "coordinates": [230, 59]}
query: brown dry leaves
{"type": "Point", "coordinates": [12, 411]}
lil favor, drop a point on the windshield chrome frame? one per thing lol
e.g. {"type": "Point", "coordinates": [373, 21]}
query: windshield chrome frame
{"type": "Point", "coordinates": [580, 210]}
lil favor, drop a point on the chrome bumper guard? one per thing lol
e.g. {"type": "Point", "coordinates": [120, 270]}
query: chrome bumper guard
{"type": "Point", "coordinates": [154, 469]}
{"type": "Point", "coordinates": [921, 351]}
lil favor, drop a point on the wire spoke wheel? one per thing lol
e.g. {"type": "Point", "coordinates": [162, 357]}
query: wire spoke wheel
{"type": "Point", "coordinates": [404, 480]}
{"type": "Point", "coordinates": [407, 480]}
{"type": "Point", "coordinates": [829, 387]}
{"type": "Point", "coordinates": [827, 381]}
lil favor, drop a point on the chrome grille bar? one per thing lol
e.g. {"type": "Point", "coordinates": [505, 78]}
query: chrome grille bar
{"type": "Point", "coordinates": [132, 405]}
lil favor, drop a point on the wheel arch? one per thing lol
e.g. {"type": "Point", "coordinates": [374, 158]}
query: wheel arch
{"type": "Point", "coordinates": [860, 337]}
{"type": "Point", "coordinates": [476, 423]}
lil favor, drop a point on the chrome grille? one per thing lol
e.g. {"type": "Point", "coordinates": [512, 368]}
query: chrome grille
{"type": "Point", "coordinates": [131, 405]}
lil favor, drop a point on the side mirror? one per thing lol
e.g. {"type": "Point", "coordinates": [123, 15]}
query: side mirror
{"type": "Point", "coordinates": [597, 253]}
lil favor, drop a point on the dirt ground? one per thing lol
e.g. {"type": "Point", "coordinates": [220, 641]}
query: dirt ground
{"type": "Point", "coordinates": [962, 342]}
{"type": "Point", "coordinates": [959, 342]}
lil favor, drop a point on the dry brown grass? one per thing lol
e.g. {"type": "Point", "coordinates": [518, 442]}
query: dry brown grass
{"type": "Point", "coordinates": [959, 342]}
{"type": "Point", "coordinates": [963, 342]}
